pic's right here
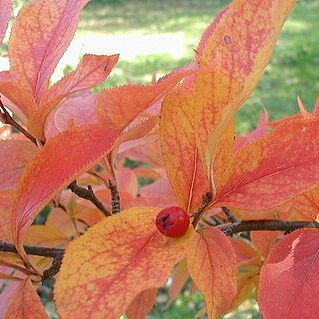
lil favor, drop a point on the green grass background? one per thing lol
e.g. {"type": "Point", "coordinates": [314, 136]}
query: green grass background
{"type": "Point", "coordinates": [293, 70]}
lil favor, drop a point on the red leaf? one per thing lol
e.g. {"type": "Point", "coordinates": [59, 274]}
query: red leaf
{"type": "Point", "coordinates": [17, 153]}
{"type": "Point", "coordinates": [92, 71]}
{"type": "Point", "coordinates": [25, 303]}
{"type": "Point", "coordinates": [40, 36]}
{"type": "Point", "coordinates": [265, 240]}
{"type": "Point", "coordinates": [263, 174]}
{"type": "Point", "coordinates": [6, 199]}
{"type": "Point", "coordinates": [61, 160]}
{"type": "Point", "coordinates": [142, 304]}
{"type": "Point", "coordinates": [289, 279]}
{"type": "Point", "coordinates": [77, 110]}
{"type": "Point", "coordinates": [5, 14]}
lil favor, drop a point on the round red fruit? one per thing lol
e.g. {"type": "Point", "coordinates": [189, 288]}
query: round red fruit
{"type": "Point", "coordinates": [172, 221]}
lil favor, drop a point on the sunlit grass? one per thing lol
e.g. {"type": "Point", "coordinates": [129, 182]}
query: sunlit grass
{"type": "Point", "coordinates": [293, 69]}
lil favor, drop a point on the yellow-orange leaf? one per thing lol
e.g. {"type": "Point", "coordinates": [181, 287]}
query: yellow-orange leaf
{"type": "Point", "coordinates": [25, 303]}
{"type": "Point", "coordinates": [45, 235]}
{"type": "Point", "coordinates": [61, 160]}
{"type": "Point", "coordinates": [186, 171]}
{"type": "Point", "coordinates": [273, 169]}
{"type": "Point", "coordinates": [235, 49]}
{"type": "Point", "coordinates": [212, 265]}
{"type": "Point", "coordinates": [306, 205]}
{"type": "Point", "coordinates": [118, 258]}
{"type": "Point", "coordinates": [142, 304]}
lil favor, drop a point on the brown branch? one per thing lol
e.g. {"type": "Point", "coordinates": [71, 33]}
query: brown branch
{"type": "Point", "coordinates": [6, 118]}
{"type": "Point", "coordinates": [116, 200]}
{"type": "Point", "coordinates": [231, 218]}
{"type": "Point", "coordinates": [228, 229]}
{"type": "Point", "coordinates": [271, 224]}
{"type": "Point", "coordinates": [32, 250]}
{"type": "Point", "coordinates": [56, 253]}
{"type": "Point", "coordinates": [89, 195]}
{"type": "Point", "coordinates": [198, 213]}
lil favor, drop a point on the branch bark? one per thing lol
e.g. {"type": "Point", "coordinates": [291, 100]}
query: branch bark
{"type": "Point", "coordinates": [229, 229]}
{"type": "Point", "coordinates": [55, 253]}
{"type": "Point", "coordinates": [271, 224]}
{"type": "Point", "coordinates": [116, 200]}
{"type": "Point", "coordinates": [89, 195]}
{"type": "Point", "coordinates": [6, 118]}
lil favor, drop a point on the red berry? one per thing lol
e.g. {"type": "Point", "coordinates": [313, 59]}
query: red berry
{"type": "Point", "coordinates": [172, 221]}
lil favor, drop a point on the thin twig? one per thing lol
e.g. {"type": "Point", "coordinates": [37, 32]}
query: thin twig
{"type": "Point", "coordinates": [271, 224]}
{"type": "Point", "coordinates": [229, 229]}
{"type": "Point", "coordinates": [32, 250]}
{"type": "Point", "coordinates": [116, 200]}
{"type": "Point", "coordinates": [55, 267]}
{"type": "Point", "coordinates": [56, 253]}
{"type": "Point", "coordinates": [6, 118]}
{"type": "Point", "coordinates": [231, 218]}
{"type": "Point", "coordinates": [89, 195]}
{"type": "Point", "coordinates": [197, 214]}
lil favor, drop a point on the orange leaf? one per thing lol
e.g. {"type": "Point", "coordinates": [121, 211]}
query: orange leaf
{"type": "Point", "coordinates": [5, 14]}
{"type": "Point", "coordinates": [92, 70]}
{"type": "Point", "coordinates": [61, 160]}
{"type": "Point", "coordinates": [185, 169]}
{"type": "Point", "coordinates": [40, 36]}
{"type": "Point", "coordinates": [306, 205]}
{"type": "Point", "coordinates": [141, 132]}
{"type": "Point", "coordinates": [212, 265]}
{"type": "Point", "coordinates": [179, 279]}
{"type": "Point", "coordinates": [45, 235]}
{"type": "Point", "coordinates": [17, 153]}
{"type": "Point", "coordinates": [121, 105]}
{"type": "Point", "coordinates": [76, 110]}
{"type": "Point", "coordinates": [142, 304]}
{"type": "Point", "coordinates": [34, 54]}
{"type": "Point", "coordinates": [242, 140]}
{"type": "Point", "coordinates": [119, 258]}
{"type": "Point", "coordinates": [265, 240]}
{"type": "Point", "coordinates": [25, 303]}
{"type": "Point", "coordinates": [6, 198]}
{"type": "Point", "coordinates": [148, 153]}
{"type": "Point", "coordinates": [289, 281]}
{"type": "Point", "coordinates": [263, 174]}
{"type": "Point", "coordinates": [248, 267]}
{"type": "Point", "coordinates": [235, 49]}
{"type": "Point", "coordinates": [61, 220]}
{"type": "Point", "coordinates": [224, 148]}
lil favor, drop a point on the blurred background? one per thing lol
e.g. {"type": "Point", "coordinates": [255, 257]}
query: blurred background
{"type": "Point", "coordinates": [154, 37]}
